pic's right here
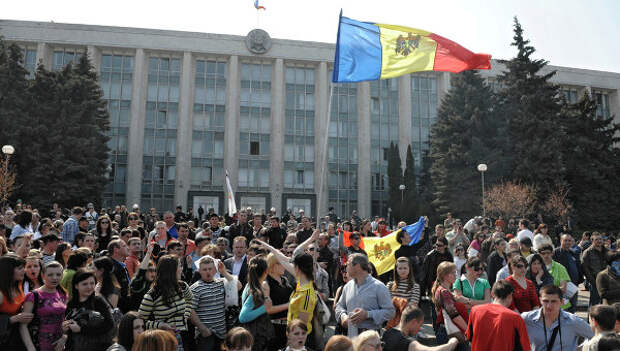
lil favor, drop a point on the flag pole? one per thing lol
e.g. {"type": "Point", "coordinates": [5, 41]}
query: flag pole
{"type": "Point", "coordinates": [323, 161]}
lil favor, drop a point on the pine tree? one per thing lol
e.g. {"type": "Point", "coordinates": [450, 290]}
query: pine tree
{"type": "Point", "coordinates": [592, 164]}
{"type": "Point", "coordinates": [410, 211]}
{"type": "Point", "coordinates": [14, 102]}
{"type": "Point", "coordinates": [468, 132]}
{"type": "Point", "coordinates": [530, 102]}
{"type": "Point", "coordinates": [395, 179]}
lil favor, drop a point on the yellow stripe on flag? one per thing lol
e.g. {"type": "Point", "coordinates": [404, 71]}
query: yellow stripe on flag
{"type": "Point", "coordinates": [381, 251]}
{"type": "Point", "coordinates": [405, 50]}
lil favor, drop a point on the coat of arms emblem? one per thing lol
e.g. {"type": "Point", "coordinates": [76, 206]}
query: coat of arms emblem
{"type": "Point", "coordinates": [382, 250]}
{"type": "Point", "coordinates": [406, 45]}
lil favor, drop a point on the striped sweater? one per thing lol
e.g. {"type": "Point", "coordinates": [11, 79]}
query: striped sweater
{"type": "Point", "coordinates": [156, 312]}
{"type": "Point", "coordinates": [402, 290]}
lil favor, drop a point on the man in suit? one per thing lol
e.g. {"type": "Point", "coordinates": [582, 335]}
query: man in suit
{"type": "Point", "coordinates": [119, 251]}
{"type": "Point", "coordinates": [238, 264]}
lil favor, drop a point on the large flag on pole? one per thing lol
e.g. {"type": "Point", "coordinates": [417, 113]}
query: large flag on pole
{"type": "Point", "coordinates": [371, 51]}
{"type": "Point", "coordinates": [381, 250]}
{"type": "Point", "coordinates": [232, 206]}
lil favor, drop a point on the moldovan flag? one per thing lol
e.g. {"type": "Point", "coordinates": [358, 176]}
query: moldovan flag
{"type": "Point", "coordinates": [372, 51]}
{"type": "Point", "coordinates": [381, 250]}
{"type": "Point", "coordinates": [232, 206]}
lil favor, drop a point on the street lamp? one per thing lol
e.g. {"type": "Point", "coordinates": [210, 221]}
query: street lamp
{"type": "Point", "coordinates": [482, 168]}
{"type": "Point", "coordinates": [7, 180]}
{"type": "Point", "coordinates": [402, 199]}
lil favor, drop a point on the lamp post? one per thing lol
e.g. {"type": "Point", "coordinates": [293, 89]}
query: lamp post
{"type": "Point", "coordinates": [402, 199]}
{"type": "Point", "coordinates": [482, 168]}
{"type": "Point", "coordinates": [7, 179]}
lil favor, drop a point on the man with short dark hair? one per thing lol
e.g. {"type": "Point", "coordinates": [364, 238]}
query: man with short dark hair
{"type": "Point", "coordinates": [70, 228]}
{"type": "Point", "coordinates": [402, 337]}
{"type": "Point", "coordinates": [524, 230]}
{"type": "Point", "coordinates": [48, 249]}
{"type": "Point", "coordinates": [552, 329]}
{"type": "Point", "coordinates": [565, 256]}
{"type": "Point", "coordinates": [354, 248]}
{"type": "Point", "coordinates": [365, 302]}
{"type": "Point", "coordinates": [238, 264]}
{"type": "Point", "coordinates": [118, 251]}
{"type": "Point", "coordinates": [603, 322]}
{"type": "Point", "coordinates": [593, 261]}
{"type": "Point", "coordinates": [306, 231]}
{"type": "Point", "coordinates": [214, 225]}
{"type": "Point", "coordinates": [275, 233]}
{"type": "Point", "coordinates": [241, 228]}
{"type": "Point", "coordinates": [557, 271]}
{"type": "Point", "coordinates": [494, 326]}
{"type": "Point", "coordinates": [133, 259]}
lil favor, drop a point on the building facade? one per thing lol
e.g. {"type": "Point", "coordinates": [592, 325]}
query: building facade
{"type": "Point", "coordinates": [187, 107]}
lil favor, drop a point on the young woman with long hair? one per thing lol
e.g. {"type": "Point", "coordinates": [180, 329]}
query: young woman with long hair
{"type": "Point", "coordinates": [130, 327]}
{"type": "Point", "coordinates": [445, 301]}
{"type": "Point", "coordinates": [88, 319]}
{"type": "Point", "coordinates": [62, 253]}
{"type": "Point", "coordinates": [470, 288]}
{"type": "Point", "coordinates": [107, 285]}
{"type": "Point", "coordinates": [168, 304]}
{"type": "Point", "coordinates": [537, 272]}
{"type": "Point", "coordinates": [404, 284]}
{"type": "Point", "coordinates": [11, 298]}
{"type": "Point", "coordinates": [49, 303]}
{"type": "Point", "coordinates": [524, 297]}
{"type": "Point", "coordinates": [32, 278]}
{"type": "Point", "coordinates": [103, 231]}
{"type": "Point", "coordinates": [254, 305]}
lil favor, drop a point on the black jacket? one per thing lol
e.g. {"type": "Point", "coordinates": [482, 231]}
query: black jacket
{"type": "Point", "coordinates": [244, 230]}
{"type": "Point", "coordinates": [243, 273]}
{"type": "Point", "coordinates": [564, 257]}
{"type": "Point", "coordinates": [121, 274]}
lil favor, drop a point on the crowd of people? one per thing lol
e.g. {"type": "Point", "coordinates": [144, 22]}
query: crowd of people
{"type": "Point", "coordinates": [122, 280]}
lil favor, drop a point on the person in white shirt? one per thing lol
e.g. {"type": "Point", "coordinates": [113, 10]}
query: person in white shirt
{"type": "Point", "coordinates": [602, 321]}
{"type": "Point", "coordinates": [541, 238]}
{"type": "Point", "coordinates": [524, 231]}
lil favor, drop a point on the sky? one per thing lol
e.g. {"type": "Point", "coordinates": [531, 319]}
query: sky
{"type": "Point", "coordinates": [572, 33]}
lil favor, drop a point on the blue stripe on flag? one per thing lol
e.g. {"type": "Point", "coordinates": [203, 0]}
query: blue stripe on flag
{"type": "Point", "coordinates": [358, 52]}
{"type": "Point", "coordinates": [415, 230]}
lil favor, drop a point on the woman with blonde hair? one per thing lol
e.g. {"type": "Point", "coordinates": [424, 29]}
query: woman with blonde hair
{"type": "Point", "coordinates": [155, 339]}
{"type": "Point", "coordinates": [445, 302]}
{"type": "Point", "coordinates": [277, 287]}
{"type": "Point", "coordinates": [368, 341]}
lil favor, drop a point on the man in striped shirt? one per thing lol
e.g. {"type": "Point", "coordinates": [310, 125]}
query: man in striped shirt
{"type": "Point", "coordinates": [208, 307]}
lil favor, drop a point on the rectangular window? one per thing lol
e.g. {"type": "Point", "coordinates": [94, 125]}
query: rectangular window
{"type": "Point", "coordinates": [254, 148]}
{"type": "Point", "coordinates": [300, 177]}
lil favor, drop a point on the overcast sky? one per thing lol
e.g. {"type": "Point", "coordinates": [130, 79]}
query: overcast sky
{"type": "Point", "coordinates": [573, 33]}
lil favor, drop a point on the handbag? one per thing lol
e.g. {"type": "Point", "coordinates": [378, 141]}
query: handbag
{"type": "Point", "coordinates": [232, 294]}
{"type": "Point", "coordinates": [321, 310]}
{"type": "Point", "coordinates": [451, 329]}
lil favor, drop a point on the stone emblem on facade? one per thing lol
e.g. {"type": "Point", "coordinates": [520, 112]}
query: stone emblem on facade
{"type": "Point", "coordinates": [258, 41]}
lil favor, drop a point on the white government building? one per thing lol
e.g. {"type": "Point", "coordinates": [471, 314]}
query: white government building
{"type": "Point", "coordinates": [184, 107]}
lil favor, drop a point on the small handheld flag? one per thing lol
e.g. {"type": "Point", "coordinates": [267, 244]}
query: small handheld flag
{"type": "Point", "coordinates": [257, 6]}
{"type": "Point", "coordinates": [371, 51]}
{"type": "Point", "coordinates": [232, 206]}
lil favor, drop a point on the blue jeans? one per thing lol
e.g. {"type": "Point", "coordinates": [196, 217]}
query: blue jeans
{"type": "Point", "coordinates": [442, 338]}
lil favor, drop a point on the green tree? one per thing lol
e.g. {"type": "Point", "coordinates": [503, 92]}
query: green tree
{"type": "Point", "coordinates": [592, 159]}
{"type": "Point", "coordinates": [426, 190]}
{"type": "Point", "coordinates": [395, 179]}
{"type": "Point", "coordinates": [468, 132]}
{"type": "Point", "coordinates": [410, 211]}
{"type": "Point", "coordinates": [14, 102]}
{"type": "Point", "coordinates": [530, 103]}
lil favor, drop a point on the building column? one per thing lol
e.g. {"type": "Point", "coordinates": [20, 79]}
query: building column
{"type": "Point", "coordinates": [183, 168]}
{"type": "Point", "coordinates": [364, 197]}
{"type": "Point", "coordinates": [443, 86]}
{"type": "Point", "coordinates": [231, 125]}
{"type": "Point", "coordinates": [94, 55]}
{"type": "Point", "coordinates": [276, 141]}
{"type": "Point", "coordinates": [136, 128]}
{"type": "Point", "coordinates": [614, 106]}
{"type": "Point", "coordinates": [404, 117]}
{"type": "Point", "coordinates": [44, 55]}
{"type": "Point", "coordinates": [321, 123]}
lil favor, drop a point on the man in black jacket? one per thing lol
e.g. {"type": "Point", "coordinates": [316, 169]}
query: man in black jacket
{"type": "Point", "coordinates": [241, 228]}
{"type": "Point", "coordinates": [238, 264]}
{"type": "Point", "coordinates": [275, 233]}
{"type": "Point", "coordinates": [118, 251]}
{"type": "Point", "coordinates": [570, 260]}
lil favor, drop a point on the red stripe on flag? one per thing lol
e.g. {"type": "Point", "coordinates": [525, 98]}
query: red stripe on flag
{"type": "Point", "coordinates": [451, 57]}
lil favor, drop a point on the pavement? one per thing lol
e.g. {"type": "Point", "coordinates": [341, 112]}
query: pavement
{"type": "Point", "coordinates": [427, 335]}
